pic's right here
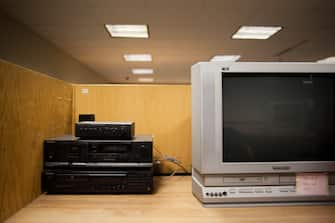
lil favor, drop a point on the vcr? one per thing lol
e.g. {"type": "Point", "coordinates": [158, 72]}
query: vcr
{"type": "Point", "coordinates": [68, 149]}
{"type": "Point", "coordinates": [114, 181]}
{"type": "Point", "coordinates": [105, 130]}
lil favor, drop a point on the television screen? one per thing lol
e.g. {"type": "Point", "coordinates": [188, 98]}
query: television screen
{"type": "Point", "coordinates": [278, 117]}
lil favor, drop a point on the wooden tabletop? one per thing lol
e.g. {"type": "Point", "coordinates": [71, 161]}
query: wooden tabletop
{"type": "Point", "coordinates": [172, 202]}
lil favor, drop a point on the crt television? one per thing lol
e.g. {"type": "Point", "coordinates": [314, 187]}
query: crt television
{"type": "Point", "coordinates": [258, 123]}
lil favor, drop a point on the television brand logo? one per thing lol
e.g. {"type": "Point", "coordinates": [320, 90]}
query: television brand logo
{"type": "Point", "coordinates": [281, 167]}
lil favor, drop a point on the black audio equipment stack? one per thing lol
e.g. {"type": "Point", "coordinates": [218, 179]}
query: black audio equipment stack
{"type": "Point", "coordinates": [104, 157]}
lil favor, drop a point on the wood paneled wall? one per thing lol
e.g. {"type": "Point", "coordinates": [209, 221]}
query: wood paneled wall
{"type": "Point", "coordinates": [32, 107]}
{"type": "Point", "coordinates": [161, 110]}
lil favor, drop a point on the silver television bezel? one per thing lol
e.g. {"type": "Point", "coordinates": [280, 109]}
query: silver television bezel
{"type": "Point", "coordinates": [207, 123]}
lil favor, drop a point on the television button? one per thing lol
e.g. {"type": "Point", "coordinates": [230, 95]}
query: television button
{"type": "Point", "coordinates": [283, 190]}
{"type": "Point", "coordinates": [245, 191]}
{"type": "Point", "coordinates": [232, 191]}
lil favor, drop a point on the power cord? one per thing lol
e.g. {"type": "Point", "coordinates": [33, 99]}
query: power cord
{"type": "Point", "coordinates": [171, 159]}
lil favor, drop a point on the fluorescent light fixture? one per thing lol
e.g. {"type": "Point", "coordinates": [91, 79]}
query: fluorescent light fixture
{"type": "Point", "coordinates": [128, 31]}
{"type": "Point", "coordinates": [226, 58]}
{"type": "Point", "coordinates": [256, 32]}
{"type": "Point", "coordinates": [142, 71]}
{"type": "Point", "coordinates": [147, 80]}
{"type": "Point", "coordinates": [137, 57]}
{"type": "Point", "coordinates": [327, 60]}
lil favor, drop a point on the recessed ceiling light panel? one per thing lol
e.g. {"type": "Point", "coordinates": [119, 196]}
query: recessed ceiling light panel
{"type": "Point", "coordinates": [142, 71]}
{"type": "Point", "coordinates": [327, 60]}
{"type": "Point", "coordinates": [128, 31]}
{"type": "Point", "coordinates": [137, 57]}
{"type": "Point", "coordinates": [226, 58]}
{"type": "Point", "coordinates": [256, 32]}
{"type": "Point", "coordinates": [146, 80]}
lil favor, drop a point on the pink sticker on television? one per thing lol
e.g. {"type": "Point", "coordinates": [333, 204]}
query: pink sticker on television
{"type": "Point", "coordinates": [312, 184]}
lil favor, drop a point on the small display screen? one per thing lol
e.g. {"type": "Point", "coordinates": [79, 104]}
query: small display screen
{"type": "Point", "coordinates": [109, 148]}
{"type": "Point", "coordinates": [276, 117]}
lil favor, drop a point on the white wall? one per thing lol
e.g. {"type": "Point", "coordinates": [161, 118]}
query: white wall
{"type": "Point", "coordinates": [19, 45]}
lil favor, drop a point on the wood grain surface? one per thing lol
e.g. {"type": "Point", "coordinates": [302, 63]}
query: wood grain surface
{"type": "Point", "coordinates": [161, 110]}
{"type": "Point", "coordinates": [172, 202]}
{"type": "Point", "coordinates": [33, 106]}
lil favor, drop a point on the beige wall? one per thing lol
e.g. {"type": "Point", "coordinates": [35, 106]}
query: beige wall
{"type": "Point", "coordinates": [161, 110]}
{"type": "Point", "coordinates": [32, 107]}
{"type": "Point", "coordinates": [20, 45]}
